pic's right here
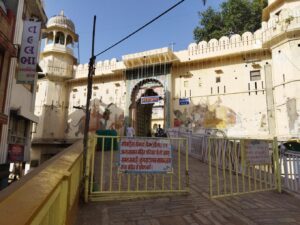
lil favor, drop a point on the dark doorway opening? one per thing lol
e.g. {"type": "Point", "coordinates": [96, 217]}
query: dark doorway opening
{"type": "Point", "coordinates": [146, 117]}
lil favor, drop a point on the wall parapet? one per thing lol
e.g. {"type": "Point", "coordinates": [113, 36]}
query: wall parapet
{"type": "Point", "coordinates": [105, 67]}
{"type": "Point", "coordinates": [55, 185]}
{"type": "Point", "coordinates": [287, 20]}
{"type": "Point", "coordinates": [225, 45]}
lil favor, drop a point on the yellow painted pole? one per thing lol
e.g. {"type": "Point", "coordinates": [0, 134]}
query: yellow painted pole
{"type": "Point", "coordinates": [87, 165]}
{"type": "Point", "coordinates": [236, 167]}
{"type": "Point", "coordinates": [102, 165]}
{"type": "Point", "coordinates": [92, 152]}
{"type": "Point", "coordinates": [277, 166]}
{"type": "Point", "coordinates": [119, 181]}
{"type": "Point", "coordinates": [146, 182]}
{"type": "Point", "coordinates": [111, 163]}
{"type": "Point", "coordinates": [270, 176]}
{"type": "Point", "coordinates": [179, 162]}
{"type": "Point", "coordinates": [243, 164]}
{"type": "Point", "coordinates": [187, 165]}
{"type": "Point", "coordinates": [230, 169]}
{"type": "Point", "coordinates": [128, 182]}
{"type": "Point", "coordinates": [260, 178]}
{"type": "Point", "coordinates": [224, 146]}
{"type": "Point", "coordinates": [137, 183]}
{"type": "Point", "coordinates": [265, 176]}
{"type": "Point", "coordinates": [254, 175]}
{"type": "Point", "coordinates": [171, 182]}
{"type": "Point", "coordinates": [249, 177]}
{"type": "Point", "coordinates": [209, 168]}
{"type": "Point", "coordinates": [216, 150]}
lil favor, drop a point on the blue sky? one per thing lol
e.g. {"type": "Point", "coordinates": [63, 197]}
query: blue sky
{"type": "Point", "coordinates": [117, 18]}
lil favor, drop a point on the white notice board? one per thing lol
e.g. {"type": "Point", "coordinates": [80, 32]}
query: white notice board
{"type": "Point", "coordinates": [257, 152]}
{"type": "Point", "coordinates": [144, 155]}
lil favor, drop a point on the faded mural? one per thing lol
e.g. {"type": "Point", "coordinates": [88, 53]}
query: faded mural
{"type": "Point", "coordinates": [205, 116]}
{"type": "Point", "coordinates": [218, 116]}
{"type": "Point", "coordinates": [103, 117]}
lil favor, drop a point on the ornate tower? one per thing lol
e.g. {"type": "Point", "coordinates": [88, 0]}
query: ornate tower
{"type": "Point", "coordinates": [57, 62]}
{"type": "Point", "coordinates": [281, 34]}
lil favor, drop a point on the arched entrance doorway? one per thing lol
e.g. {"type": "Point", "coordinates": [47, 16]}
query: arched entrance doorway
{"type": "Point", "coordinates": [147, 107]}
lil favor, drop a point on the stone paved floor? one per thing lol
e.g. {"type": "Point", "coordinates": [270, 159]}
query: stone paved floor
{"type": "Point", "coordinates": [196, 208]}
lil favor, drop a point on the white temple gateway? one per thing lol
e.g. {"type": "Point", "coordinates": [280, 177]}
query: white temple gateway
{"type": "Point", "coordinates": [245, 85]}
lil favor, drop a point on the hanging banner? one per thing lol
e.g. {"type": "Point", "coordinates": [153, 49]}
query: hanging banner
{"type": "Point", "coordinates": [29, 52]}
{"type": "Point", "coordinates": [145, 155]}
{"type": "Point", "coordinates": [149, 100]}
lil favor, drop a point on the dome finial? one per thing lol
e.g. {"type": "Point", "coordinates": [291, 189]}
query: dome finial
{"type": "Point", "coordinates": [62, 13]}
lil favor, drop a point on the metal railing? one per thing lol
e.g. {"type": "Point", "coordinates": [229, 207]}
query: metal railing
{"type": "Point", "coordinates": [48, 194]}
{"type": "Point", "coordinates": [108, 181]}
{"type": "Point", "coordinates": [238, 166]}
{"type": "Point", "coordinates": [290, 171]}
{"type": "Point", "coordinates": [231, 173]}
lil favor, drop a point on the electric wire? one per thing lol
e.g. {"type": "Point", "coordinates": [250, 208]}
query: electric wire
{"type": "Point", "coordinates": [141, 28]}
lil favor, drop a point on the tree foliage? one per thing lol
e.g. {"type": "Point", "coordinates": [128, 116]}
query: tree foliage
{"type": "Point", "coordinates": [234, 17]}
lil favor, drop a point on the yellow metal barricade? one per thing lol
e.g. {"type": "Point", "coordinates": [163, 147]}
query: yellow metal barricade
{"type": "Point", "coordinates": [238, 166]}
{"type": "Point", "coordinates": [108, 182]}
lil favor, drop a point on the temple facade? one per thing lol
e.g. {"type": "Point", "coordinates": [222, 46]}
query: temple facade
{"type": "Point", "coordinates": [244, 85]}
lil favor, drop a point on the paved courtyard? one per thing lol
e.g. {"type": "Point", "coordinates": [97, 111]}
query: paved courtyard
{"type": "Point", "coordinates": [196, 208]}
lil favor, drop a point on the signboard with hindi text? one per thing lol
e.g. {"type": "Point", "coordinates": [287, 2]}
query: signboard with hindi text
{"type": "Point", "coordinates": [145, 155]}
{"type": "Point", "coordinates": [257, 152]}
{"type": "Point", "coordinates": [29, 52]}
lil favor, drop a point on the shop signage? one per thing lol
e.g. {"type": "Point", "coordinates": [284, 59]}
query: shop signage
{"type": "Point", "coordinates": [149, 100]}
{"type": "Point", "coordinates": [15, 153]}
{"type": "Point", "coordinates": [29, 52]}
{"type": "Point", "coordinates": [257, 152]}
{"type": "Point", "coordinates": [145, 155]}
{"type": "Point", "coordinates": [184, 101]}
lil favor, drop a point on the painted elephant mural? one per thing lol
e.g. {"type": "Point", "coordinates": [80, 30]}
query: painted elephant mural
{"type": "Point", "coordinates": [103, 116]}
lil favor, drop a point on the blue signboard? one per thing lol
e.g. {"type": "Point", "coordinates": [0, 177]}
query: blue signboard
{"type": "Point", "coordinates": [184, 101]}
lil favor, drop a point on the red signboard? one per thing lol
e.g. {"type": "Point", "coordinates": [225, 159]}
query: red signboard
{"type": "Point", "coordinates": [15, 153]}
{"type": "Point", "coordinates": [149, 99]}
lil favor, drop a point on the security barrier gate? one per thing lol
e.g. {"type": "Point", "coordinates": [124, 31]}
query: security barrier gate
{"type": "Point", "coordinates": [124, 168]}
{"type": "Point", "coordinates": [238, 166]}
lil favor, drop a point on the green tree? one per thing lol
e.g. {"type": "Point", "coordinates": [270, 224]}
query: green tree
{"type": "Point", "coordinates": [234, 17]}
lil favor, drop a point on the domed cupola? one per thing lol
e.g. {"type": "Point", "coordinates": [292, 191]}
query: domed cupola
{"type": "Point", "coordinates": [58, 58]}
{"type": "Point", "coordinates": [61, 21]}
{"type": "Point", "coordinates": [60, 35]}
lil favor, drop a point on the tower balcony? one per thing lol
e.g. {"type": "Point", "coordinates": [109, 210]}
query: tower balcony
{"type": "Point", "coordinates": [58, 48]}
{"type": "Point", "coordinates": [278, 28]}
